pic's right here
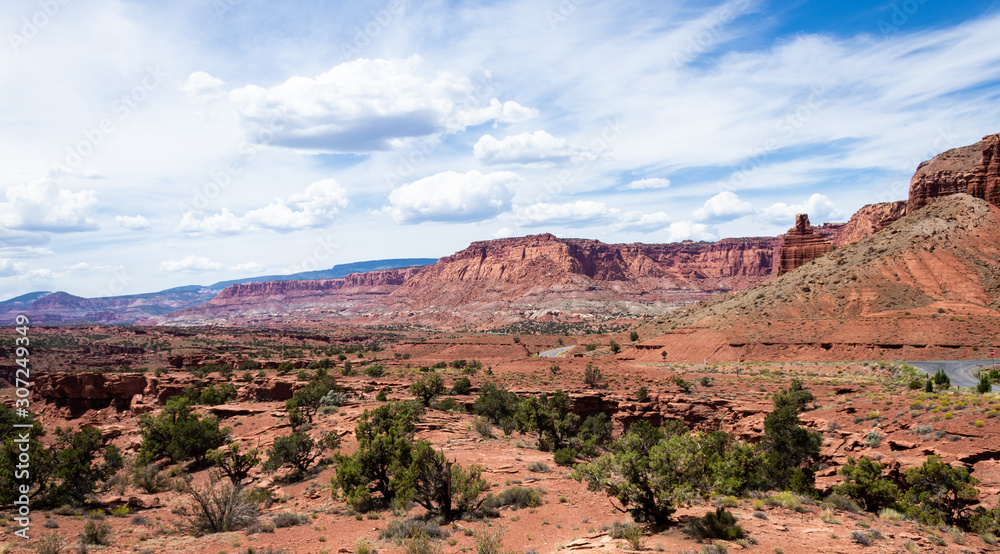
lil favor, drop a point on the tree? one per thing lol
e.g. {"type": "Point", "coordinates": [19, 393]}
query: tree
{"type": "Point", "coordinates": [73, 459]}
{"type": "Point", "coordinates": [440, 486]}
{"type": "Point", "coordinates": [428, 387]}
{"type": "Point", "coordinates": [864, 483]}
{"type": "Point", "coordinates": [633, 336]}
{"type": "Point", "coordinates": [552, 416]}
{"type": "Point", "coordinates": [985, 384]}
{"type": "Point", "coordinates": [594, 433]}
{"type": "Point", "coordinates": [461, 386]}
{"type": "Point", "coordinates": [790, 449]}
{"type": "Point", "coordinates": [306, 401]}
{"type": "Point", "coordinates": [179, 434]}
{"type": "Point", "coordinates": [497, 404]}
{"type": "Point", "coordinates": [385, 443]}
{"type": "Point", "coordinates": [615, 347]}
{"type": "Point", "coordinates": [939, 493]}
{"type": "Point", "coordinates": [232, 464]}
{"type": "Point", "coordinates": [36, 476]}
{"type": "Point", "coordinates": [299, 450]}
{"type": "Point", "coordinates": [941, 379]}
{"type": "Point", "coordinates": [592, 375]}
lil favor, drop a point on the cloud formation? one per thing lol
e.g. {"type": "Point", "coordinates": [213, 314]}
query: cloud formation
{"type": "Point", "coordinates": [314, 208]}
{"type": "Point", "coordinates": [527, 148]}
{"type": "Point", "coordinates": [190, 264]}
{"type": "Point", "coordinates": [818, 206]}
{"type": "Point", "coordinates": [367, 105]}
{"type": "Point", "coordinates": [725, 206]}
{"type": "Point", "coordinates": [42, 205]}
{"type": "Point", "coordinates": [454, 197]}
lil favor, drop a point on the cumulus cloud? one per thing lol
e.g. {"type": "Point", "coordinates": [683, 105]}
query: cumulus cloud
{"type": "Point", "coordinates": [503, 233]}
{"type": "Point", "coordinates": [689, 230]}
{"type": "Point", "coordinates": [42, 205]}
{"type": "Point", "coordinates": [644, 223]}
{"type": "Point", "coordinates": [579, 213]}
{"type": "Point", "coordinates": [10, 268]}
{"type": "Point", "coordinates": [654, 183]}
{"type": "Point", "coordinates": [314, 208]}
{"type": "Point", "coordinates": [818, 206]}
{"type": "Point", "coordinates": [190, 264]}
{"type": "Point", "coordinates": [583, 213]}
{"type": "Point", "coordinates": [454, 197]}
{"type": "Point", "coordinates": [725, 206]}
{"type": "Point", "coordinates": [133, 222]}
{"type": "Point", "coordinates": [248, 267]}
{"type": "Point", "coordinates": [200, 86]}
{"type": "Point", "coordinates": [365, 105]}
{"type": "Point", "coordinates": [527, 148]}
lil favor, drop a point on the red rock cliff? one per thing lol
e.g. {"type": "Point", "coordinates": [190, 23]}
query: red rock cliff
{"type": "Point", "coordinates": [869, 220]}
{"type": "Point", "coordinates": [973, 169]}
{"type": "Point", "coordinates": [801, 245]}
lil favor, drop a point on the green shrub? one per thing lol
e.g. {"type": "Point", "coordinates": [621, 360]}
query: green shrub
{"type": "Point", "coordinates": [551, 416]}
{"type": "Point", "coordinates": [461, 386]}
{"type": "Point", "coordinates": [642, 395]}
{"type": "Point", "coordinates": [96, 532]}
{"type": "Point", "coordinates": [179, 434]}
{"type": "Point", "coordinates": [483, 427]}
{"type": "Point", "coordinates": [49, 544]}
{"type": "Point", "coordinates": [428, 387]}
{"type": "Point", "coordinates": [221, 393]}
{"type": "Point", "coordinates": [719, 524]}
{"type": "Point", "coordinates": [400, 529]}
{"type": "Point", "coordinates": [299, 450]}
{"type": "Point", "coordinates": [497, 404]}
{"type": "Point", "coordinates": [489, 541]}
{"type": "Point", "coordinates": [593, 376]}
{"type": "Point", "coordinates": [938, 492]}
{"type": "Point", "coordinates": [565, 456]}
{"type": "Point", "coordinates": [863, 482]}
{"type": "Point", "coordinates": [516, 497]}
{"type": "Point", "coordinates": [630, 532]}
{"type": "Point", "coordinates": [290, 519]}
{"type": "Point", "coordinates": [538, 467]}
{"type": "Point", "coordinates": [375, 371]}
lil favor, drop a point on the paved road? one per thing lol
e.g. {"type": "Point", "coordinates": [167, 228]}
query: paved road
{"type": "Point", "coordinates": [554, 352]}
{"type": "Point", "coordinates": [961, 372]}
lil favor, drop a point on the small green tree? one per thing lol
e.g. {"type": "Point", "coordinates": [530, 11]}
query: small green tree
{"type": "Point", "coordinates": [298, 450]}
{"type": "Point", "coordinates": [221, 393]}
{"type": "Point", "coordinates": [179, 434]}
{"type": "Point", "coordinates": [74, 456]}
{"type": "Point", "coordinates": [593, 376]}
{"type": "Point", "coordinates": [232, 464]}
{"type": "Point", "coordinates": [615, 347]}
{"type": "Point", "coordinates": [985, 384]}
{"type": "Point", "coordinates": [939, 493]}
{"type": "Point", "coordinates": [863, 481]}
{"type": "Point", "coordinates": [438, 485]}
{"type": "Point", "coordinates": [428, 387]}
{"type": "Point", "coordinates": [633, 336]}
{"type": "Point", "coordinates": [498, 405]}
{"type": "Point", "coordinates": [36, 478]}
{"type": "Point", "coordinates": [941, 379]}
{"type": "Point", "coordinates": [461, 386]}
{"type": "Point", "coordinates": [790, 449]}
{"type": "Point", "coordinates": [307, 400]}
{"type": "Point", "coordinates": [551, 416]}
{"type": "Point", "coordinates": [385, 443]}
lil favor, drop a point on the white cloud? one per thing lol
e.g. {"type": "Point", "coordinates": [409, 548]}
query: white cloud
{"type": "Point", "coordinates": [527, 148]}
{"type": "Point", "coordinates": [365, 105]}
{"type": "Point", "coordinates": [190, 264]}
{"type": "Point", "coordinates": [10, 268]}
{"type": "Point", "coordinates": [818, 206]}
{"type": "Point", "coordinates": [585, 213]}
{"type": "Point", "coordinates": [689, 230]}
{"type": "Point", "coordinates": [725, 206]}
{"type": "Point", "coordinates": [455, 197]}
{"type": "Point", "coordinates": [200, 86]}
{"type": "Point", "coordinates": [579, 213]}
{"type": "Point", "coordinates": [133, 222]}
{"type": "Point", "coordinates": [316, 207]}
{"type": "Point", "coordinates": [248, 267]}
{"type": "Point", "coordinates": [644, 223]}
{"type": "Point", "coordinates": [503, 233]}
{"type": "Point", "coordinates": [42, 205]}
{"type": "Point", "coordinates": [653, 183]}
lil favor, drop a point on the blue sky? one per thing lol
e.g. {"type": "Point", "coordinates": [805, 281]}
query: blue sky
{"type": "Point", "coordinates": [145, 145]}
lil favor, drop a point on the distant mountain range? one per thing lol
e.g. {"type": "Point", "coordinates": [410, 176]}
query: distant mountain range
{"type": "Point", "coordinates": [63, 308]}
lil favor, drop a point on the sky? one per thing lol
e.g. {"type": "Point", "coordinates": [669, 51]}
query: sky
{"type": "Point", "coordinates": [146, 145]}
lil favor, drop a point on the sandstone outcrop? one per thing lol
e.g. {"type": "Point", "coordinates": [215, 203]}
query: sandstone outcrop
{"type": "Point", "coordinates": [869, 220]}
{"type": "Point", "coordinates": [973, 169]}
{"type": "Point", "coordinates": [801, 245]}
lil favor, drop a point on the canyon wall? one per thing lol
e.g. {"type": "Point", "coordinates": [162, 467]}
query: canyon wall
{"type": "Point", "coordinates": [973, 169]}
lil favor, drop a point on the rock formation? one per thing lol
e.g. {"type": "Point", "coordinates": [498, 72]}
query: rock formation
{"type": "Point", "coordinates": [869, 220]}
{"type": "Point", "coordinates": [973, 169]}
{"type": "Point", "coordinates": [925, 287]}
{"type": "Point", "coordinates": [801, 245]}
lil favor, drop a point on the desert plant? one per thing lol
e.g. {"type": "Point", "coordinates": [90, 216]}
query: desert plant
{"type": "Point", "coordinates": [497, 404]}
{"type": "Point", "coordinates": [719, 524]}
{"type": "Point", "coordinates": [489, 541]}
{"type": "Point", "coordinates": [593, 376]}
{"type": "Point", "coordinates": [482, 426]}
{"type": "Point", "coordinates": [461, 386]}
{"type": "Point", "coordinates": [149, 478]}
{"type": "Point", "coordinates": [290, 519]}
{"type": "Point", "coordinates": [96, 532]}
{"type": "Point", "coordinates": [440, 486]}
{"type": "Point", "coordinates": [219, 507]}
{"type": "Point", "coordinates": [428, 387]}
{"type": "Point", "coordinates": [551, 416]}
{"type": "Point", "coordinates": [299, 450]}
{"type": "Point", "coordinates": [49, 544]}
{"type": "Point", "coordinates": [642, 395]}
{"type": "Point", "coordinates": [939, 492]}
{"type": "Point", "coordinates": [863, 482]}
{"type": "Point", "coordinates": [179, 434]}
{"type": "Point", "coordinates": [630, 532]}
{"type": "Point", "coordinates": [232, 464]}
